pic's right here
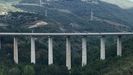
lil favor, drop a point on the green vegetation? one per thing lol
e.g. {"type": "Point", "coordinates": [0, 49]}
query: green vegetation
{"type": "Point", "coordinates": [9, 1]}
{"type": "Point", "coordinates": [113, 65]}
{"type": "Point", "coordinates": [28, 70]}
{"type": "Point", "coordinates": [58, 21]}
{"type": "Point", "coordinates": [8, 8]}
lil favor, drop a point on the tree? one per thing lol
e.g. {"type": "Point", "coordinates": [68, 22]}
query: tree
{"type": "Point", "coordinates": [2, 71]}
{"type": "Point", "coordinates": [55, 70]}
{"type": "Point", "coordinates": [28, 70]}
{"type": "Point", "coordinates": [14, 71]}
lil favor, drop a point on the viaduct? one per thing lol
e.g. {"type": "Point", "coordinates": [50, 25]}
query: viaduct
{"type": "Point", "coordinates": [68, 45]}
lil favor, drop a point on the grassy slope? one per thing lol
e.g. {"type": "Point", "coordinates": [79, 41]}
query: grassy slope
{"type": "Point", "coordinates": [8, 8]}
{"type": "Point", "coordinates": [5, 6]}
{"type": "Point", "coordinates": [10, 0]}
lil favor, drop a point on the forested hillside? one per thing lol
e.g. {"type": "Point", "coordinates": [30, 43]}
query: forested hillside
{"type": "Point", "coordinates": [111, 16]}
{"type": "Point", "coordinates": [67, 16]}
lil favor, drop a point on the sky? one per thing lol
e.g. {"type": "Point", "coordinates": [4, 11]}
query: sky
{"type": "Point", "coordinates": [131, 0]}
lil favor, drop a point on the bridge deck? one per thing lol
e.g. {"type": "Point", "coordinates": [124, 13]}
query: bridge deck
{"type": "Point", "coordinates": [65, 34]}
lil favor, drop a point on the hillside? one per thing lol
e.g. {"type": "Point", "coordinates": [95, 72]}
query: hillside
{"type": "Point", "coordinates": [67, 16]}
{"type": "Point", "coordinates": [6, 6]}
{"type": "Point", "coordinates": [9, 1]}
{"type": "Point", "coordinates": [82, 11]}
{"type": "Point", "coordinates": [125, 4]}
{"type": "Point", "coordinates": [113, 16]}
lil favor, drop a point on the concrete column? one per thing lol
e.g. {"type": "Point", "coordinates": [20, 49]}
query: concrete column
{"type": "Point", "coordinates": [68, 53]}
{"type": "Point", "coordinates": [40, 2]}
{"type": "Point", "coordinates": [102, 51]}
{"type": "Point", "coordinates": [119, 46]}
{"type": "Point", "coordinates": [50, 50]}
{"type": "Point", "coordinates": [46, 12]}
{"type": "Point", "coordinates": [0, 43]}
{"type": "Point", "coordinates": [84, 51]}
{"type": "Point", "coordinates": [15, 50]}
{"type": "Point", "coordinates": [33, 59]}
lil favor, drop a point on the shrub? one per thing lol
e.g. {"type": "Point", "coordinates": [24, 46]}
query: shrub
{"type": "Point", "coordinates": [28, 70]}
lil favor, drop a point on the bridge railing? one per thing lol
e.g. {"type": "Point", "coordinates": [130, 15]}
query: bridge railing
{"type": "Point", "coordinates": [68, 45]}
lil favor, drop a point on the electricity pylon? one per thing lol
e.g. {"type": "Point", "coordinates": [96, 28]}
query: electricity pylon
{"type": "Point", "coordinates": [46, 3]}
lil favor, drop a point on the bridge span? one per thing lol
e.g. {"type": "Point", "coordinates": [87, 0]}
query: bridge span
{"type": "Point", "coordinates": [66, 34]}
{"type": "Point", "coordinates": [68, 45]}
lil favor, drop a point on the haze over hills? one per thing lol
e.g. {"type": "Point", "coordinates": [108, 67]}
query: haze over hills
{"type": "Point", "coordinates": [125, 4]}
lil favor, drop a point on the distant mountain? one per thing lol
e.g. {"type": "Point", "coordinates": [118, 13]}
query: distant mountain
{"type": "Point", "coordinates": [80, 13]}
{"type": "Point", "coordinates": [83, 16]}
{"type": "Point", "coordinates": [125, 4]}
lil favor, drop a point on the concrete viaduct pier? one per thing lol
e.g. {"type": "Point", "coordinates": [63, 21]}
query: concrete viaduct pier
{"type": "Point", "coordinates": [68, 45]}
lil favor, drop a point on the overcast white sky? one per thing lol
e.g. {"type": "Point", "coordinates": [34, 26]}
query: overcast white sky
{"type": "Point", "coordinates": [131, 0]}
